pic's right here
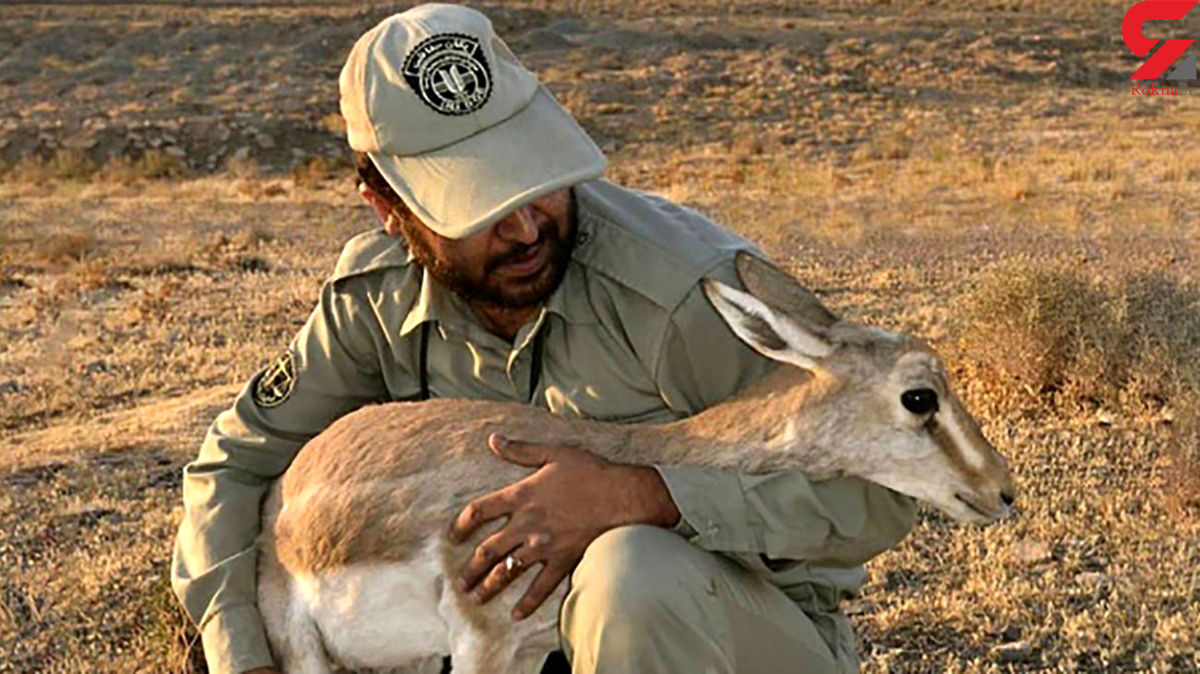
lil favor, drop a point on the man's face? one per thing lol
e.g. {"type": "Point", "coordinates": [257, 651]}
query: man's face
{"type": "Point", "coordinates": [514, 264]}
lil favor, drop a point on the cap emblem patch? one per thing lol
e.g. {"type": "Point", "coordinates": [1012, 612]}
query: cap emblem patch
{"type": "Point", "coordinates": [275, 384]}
{"type": "Point", "coordinates": [449, 73]}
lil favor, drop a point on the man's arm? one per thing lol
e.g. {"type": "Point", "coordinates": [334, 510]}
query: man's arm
{"type": "Point", "coordinates": [574, 496]}
{"type": "Point", "coordinates": [841, 522]}
{"type": "Point", "coordinates": [213, 572]}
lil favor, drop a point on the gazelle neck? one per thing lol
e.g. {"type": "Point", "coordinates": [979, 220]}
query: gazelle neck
{"type": "Point", "coordinates": [772, 425]}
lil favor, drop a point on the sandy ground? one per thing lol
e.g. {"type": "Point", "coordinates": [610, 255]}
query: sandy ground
{"type": "Point", "coordinates": [174, 191]}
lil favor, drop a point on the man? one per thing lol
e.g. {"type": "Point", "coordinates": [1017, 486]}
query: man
{"type": "Point", "coordinates": [507, 270]}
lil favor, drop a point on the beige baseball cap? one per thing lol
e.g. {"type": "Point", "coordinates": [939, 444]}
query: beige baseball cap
{"type": "Point", "coordinates": [456, 125]}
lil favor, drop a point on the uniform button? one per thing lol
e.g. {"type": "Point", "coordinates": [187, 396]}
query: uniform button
{"type": "Point", "coordinates": [581, 238]}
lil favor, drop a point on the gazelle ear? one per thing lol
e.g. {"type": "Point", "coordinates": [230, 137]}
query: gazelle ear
{"type": "Point", "coordinates": [777, 289]}
{"type": "Point", "coordinates": [772, 334]}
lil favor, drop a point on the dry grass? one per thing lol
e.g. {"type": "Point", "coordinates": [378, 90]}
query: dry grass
{"type": "Point", "coordinates": [75, 166]}
{"type": "Point", "coordinates": [61, 247]}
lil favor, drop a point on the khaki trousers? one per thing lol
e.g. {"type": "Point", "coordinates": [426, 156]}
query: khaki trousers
{"type": "Point", "coordinates": [644, 600]}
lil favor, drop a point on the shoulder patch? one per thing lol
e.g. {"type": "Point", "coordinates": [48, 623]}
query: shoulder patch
{"type": "Point", "coordinates": [370, 251]}
{"type": "Point", "coordinates": [277, 382]}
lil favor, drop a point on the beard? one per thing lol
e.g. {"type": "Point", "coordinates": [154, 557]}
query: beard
{"type": "Point", "coordinates": [489, 290]}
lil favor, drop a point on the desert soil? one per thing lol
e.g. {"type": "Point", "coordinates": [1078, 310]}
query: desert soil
{"type": "Point", "coordinates": [175, 188]}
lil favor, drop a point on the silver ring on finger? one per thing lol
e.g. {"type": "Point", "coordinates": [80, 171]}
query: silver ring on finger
{"type": "Point", "coordinates": [511, 563]}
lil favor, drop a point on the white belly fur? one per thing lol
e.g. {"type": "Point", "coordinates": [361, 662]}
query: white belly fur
{"type": "Point", "coordinates": [379, 616]}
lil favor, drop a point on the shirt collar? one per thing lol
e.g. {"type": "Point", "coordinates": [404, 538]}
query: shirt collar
{"type": "Point", "coordinates": [436, 304]}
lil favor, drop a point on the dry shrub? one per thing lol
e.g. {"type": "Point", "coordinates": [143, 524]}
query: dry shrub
{"type": "Point", "coordinates": [1160, 320]}
{"type": "Point", "coordinates": [1183, 457]}
{"type": "Point", "coordinates": [152, 165]}
{"type": "Point", "coordinates": [92, 275]}
{"type": "Point", "coordinates": [312, 172]}
{"type": "Point", "coordinates": [579, 103]}
{"type": "Point", "coordinates": [65, 247]}
{"type": "Point", "coordinates": [250, 239]}
{"type": "Point", "coordinates": [63, 165]}
{"type": "Point", "coordinates": [159, 165]}
{"type": "Point", "coordinates": [1049, 336]}
{"type": "Point", "coordinates": [334, 123]}
{"type": "Point", "coordinates": [892, 144]}
{"type": "Point", "coordinates": [243, 167]}
{"type": "Point", "coordinates": [154, 305]}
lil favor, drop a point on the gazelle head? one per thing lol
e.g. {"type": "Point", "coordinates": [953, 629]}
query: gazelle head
{"type": "Point", "coordinates": [889, 395]}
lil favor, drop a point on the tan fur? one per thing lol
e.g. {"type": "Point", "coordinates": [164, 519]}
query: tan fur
{"type": "Point", "coordinates": [380, 481]}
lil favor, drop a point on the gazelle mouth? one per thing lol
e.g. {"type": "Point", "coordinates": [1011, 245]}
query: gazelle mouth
{"type": "Point", "coordinates": [977, 509]}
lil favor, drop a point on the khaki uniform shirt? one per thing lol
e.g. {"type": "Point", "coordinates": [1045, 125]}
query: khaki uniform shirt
{"type": "Point", "coordinates": [628, 337]}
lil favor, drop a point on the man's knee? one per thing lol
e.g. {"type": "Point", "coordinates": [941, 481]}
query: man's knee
{"type": "Point", "coordinates": [644, 599]}
{"type": "Point", "coordinates": [638, 572]}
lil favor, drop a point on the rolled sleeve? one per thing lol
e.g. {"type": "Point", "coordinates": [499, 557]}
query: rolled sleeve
{"type": "Point", "coordinates": [712, 507]}
{"type": "Point", "coordinates": [234, 641]}
{"type": "Point", "coordinates": [840, 522]}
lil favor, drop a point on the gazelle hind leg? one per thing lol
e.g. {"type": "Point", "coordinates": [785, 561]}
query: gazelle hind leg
{"type": "Point", "coordinates": [296, 641]}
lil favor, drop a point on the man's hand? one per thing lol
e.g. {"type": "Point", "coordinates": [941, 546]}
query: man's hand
{"type": "Point", "coordinates": [554, 514]}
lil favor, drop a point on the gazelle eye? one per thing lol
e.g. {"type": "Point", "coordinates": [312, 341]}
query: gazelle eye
{"type": "Point", "coordinates": [920, 401]}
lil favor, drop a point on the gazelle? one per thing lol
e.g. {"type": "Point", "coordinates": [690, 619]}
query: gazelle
{"type": "Point", "coordinates": [355, 569]}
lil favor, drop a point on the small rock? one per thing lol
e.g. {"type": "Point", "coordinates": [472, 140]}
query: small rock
{"type": "Point", "coordinates": [176, 151]}
{"type": "Point", "coordinates": [981, 44]}
{"type": "Point", "coordinates": [1032, 552]}
{"type": "Point", "coordinates": [859, 607]}
{"type": "Point", "coordinates": [1092, 578]}
{"type": "Point", "coordinates": [1015, 651]}
{"type": "Point", "coordinates": [264, 141]}
{"type": "Point", "coordinates": [566, 27]}
{"type": "Point", "coordinates": [95, 367]}
{"type": "Point", "coordinates": [243, 153]}
{"type": "Point", "coordinates": [9, 387]}
{"type": "Point", "coordinates": [81, 142]}
{"type": "Point", "coordinates": [544, 40]}
{"type": "Point", "coordinates": [711, 40]}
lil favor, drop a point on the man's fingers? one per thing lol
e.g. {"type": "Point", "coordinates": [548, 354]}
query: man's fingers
{"type": "Point", "coordinates": [500, 576]}
{"type": "Point", "coordinates": [486, 508]}
{"type": "Point", "coordinates": [529, 454]}
{"type": "Point", "coordinates": [487, 555]}
{"type": "Point", "coordinates": [541, 588]}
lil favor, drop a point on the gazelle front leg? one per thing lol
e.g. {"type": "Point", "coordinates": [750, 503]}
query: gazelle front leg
{"type": "Point", "coordinates": [485, 639]}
